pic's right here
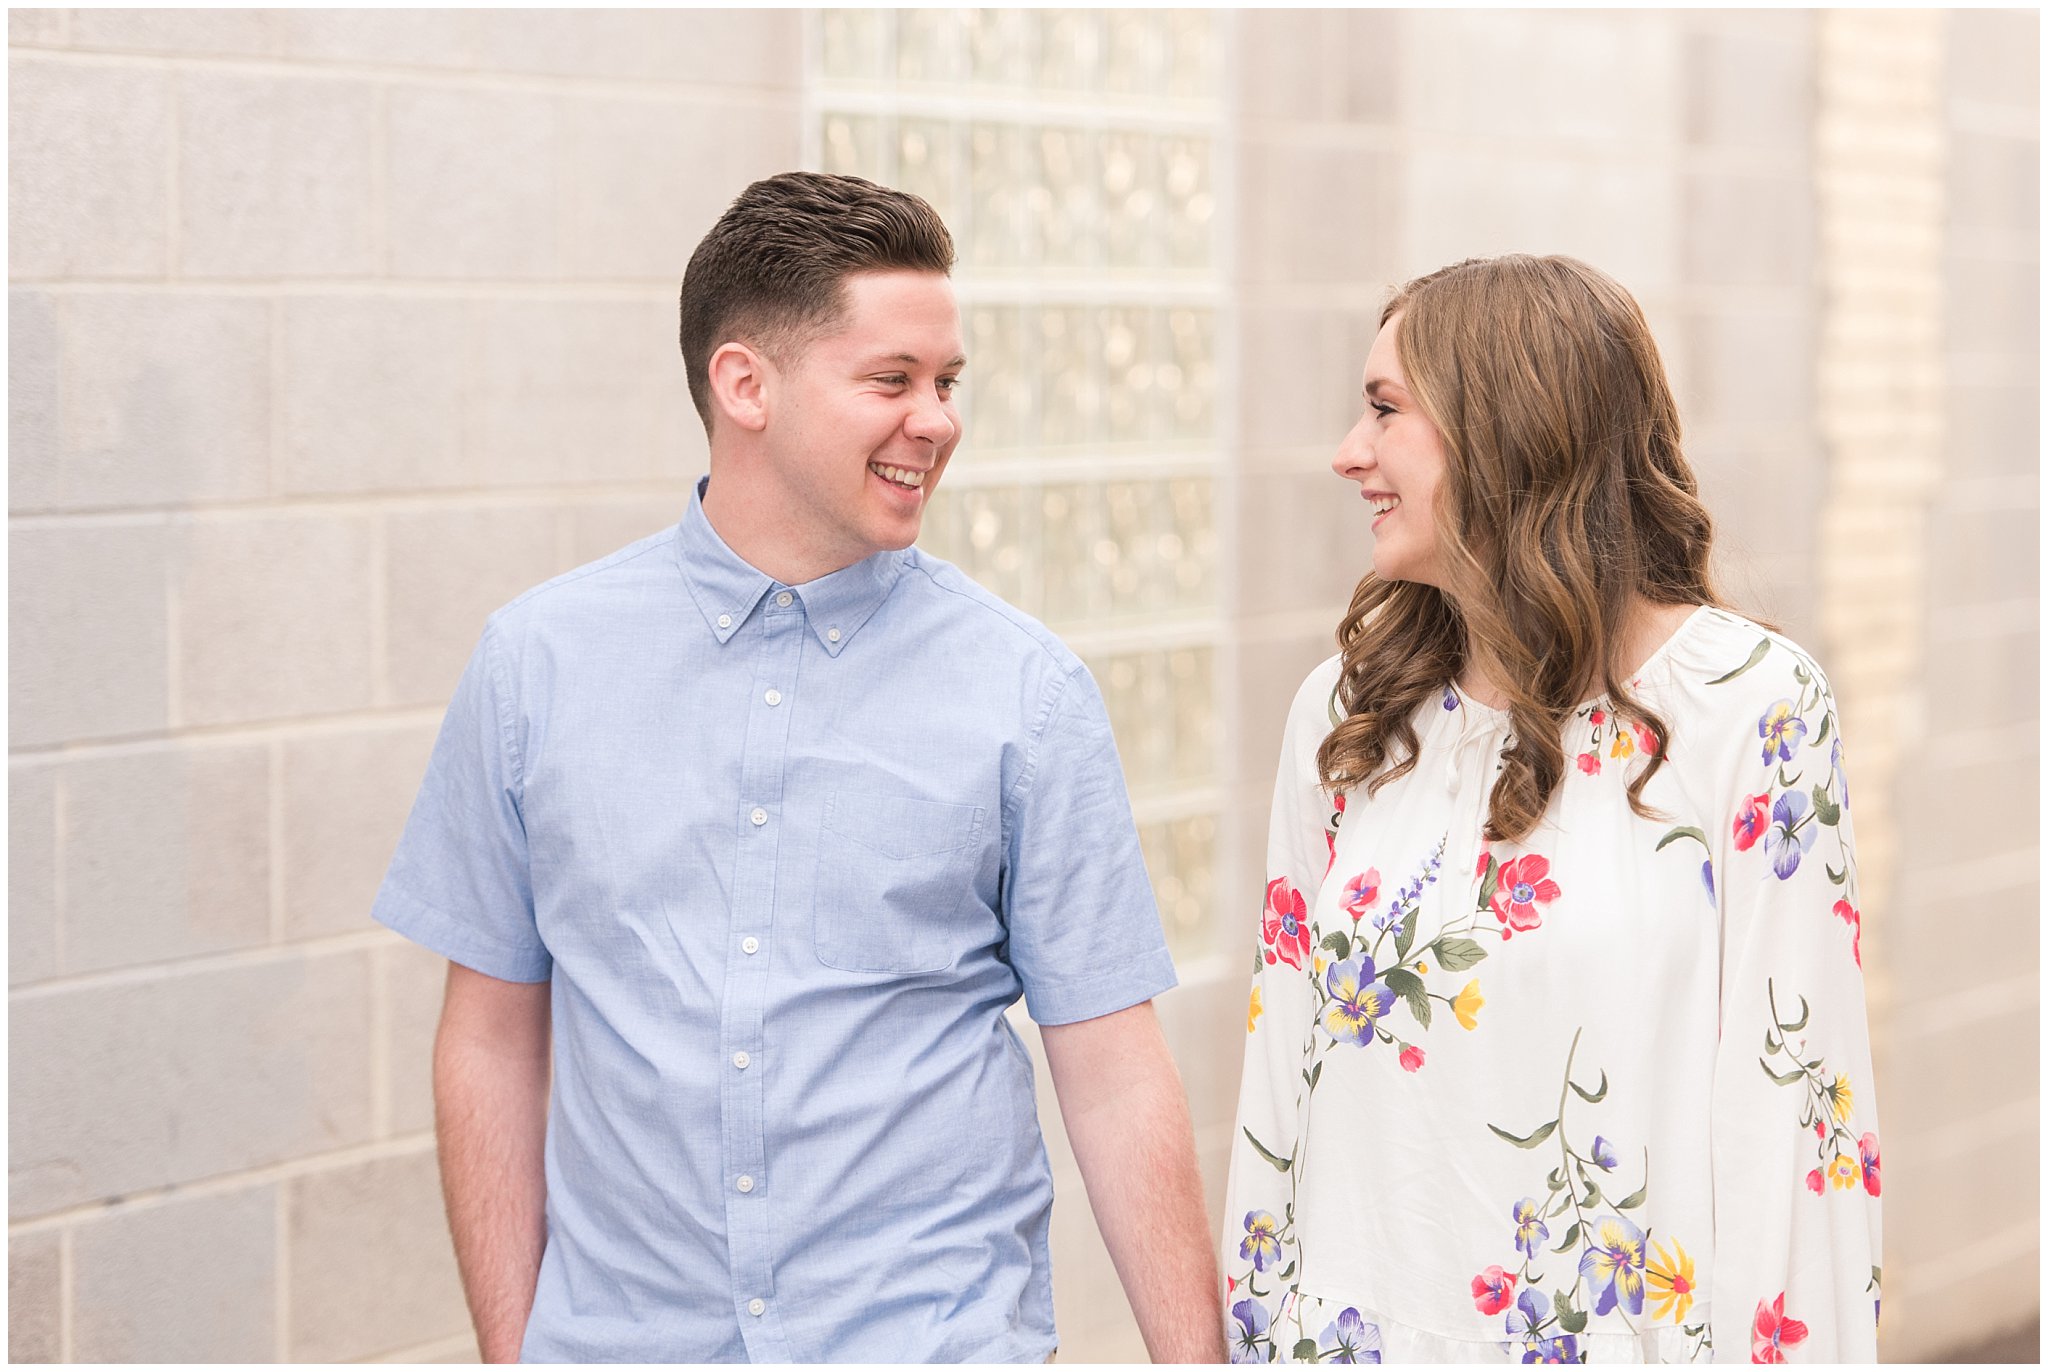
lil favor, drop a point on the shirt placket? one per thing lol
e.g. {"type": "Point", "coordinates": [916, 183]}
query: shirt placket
{"type": "Point", "coordinates": [747, 1184]}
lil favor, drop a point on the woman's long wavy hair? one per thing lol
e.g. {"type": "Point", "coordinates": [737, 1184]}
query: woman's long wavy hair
{"type": "Point", "coordinates": [1565, 495]}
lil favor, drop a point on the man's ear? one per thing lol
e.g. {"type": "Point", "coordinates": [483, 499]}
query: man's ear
{"type": "Point", "coordinates": [739, 386]}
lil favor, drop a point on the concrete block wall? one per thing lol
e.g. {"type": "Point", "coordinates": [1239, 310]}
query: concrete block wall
{"type": "Point", "coordinates": [1959, 1047]}
{"type": "Point", "coordinates": [328, 334]}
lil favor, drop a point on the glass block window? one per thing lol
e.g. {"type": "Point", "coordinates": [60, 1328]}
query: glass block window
{"type": "Point", "coordinates": [1074, 154]}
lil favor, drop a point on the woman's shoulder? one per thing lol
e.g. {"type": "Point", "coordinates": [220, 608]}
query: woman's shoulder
{"type": "Point", "coordinates": [1722, 656]}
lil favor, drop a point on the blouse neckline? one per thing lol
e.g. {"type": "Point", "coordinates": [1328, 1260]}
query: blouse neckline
{"type": "Point", "coordinates": [1655, 661]}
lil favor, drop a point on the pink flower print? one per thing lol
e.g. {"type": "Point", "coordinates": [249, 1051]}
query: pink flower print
{"type": "Point", "coordinates": [1873, 1182]}
{"type": "Point", "coordinates": [1772, 1333]}
{"type": "Point", "coordinates": [1599, 716]}
{"type": "Point", "coordinates": [1589, 763]}
{"type": "Point", "coordinates": [1330, 831]}
{"type": "Point", "coordinates": [1411, 1061]}
{"type": "Point", "coordinates": [1485, 861]}
{"type": "Point", "coordinates": [1286, 924]}
{"type": "Point", "coordinates": [1851, 916]}
{"type": "Point", "coordinates": [1524, 884]}
{"type": "Point", "coordinates": [1361, 893]}
{"type": "Point", "coordinates": [1493, 1290]}
{"type": "Point", "coordinates": [1752, 817]}
{"type": "Point", "coordinates": [1815, 1182]}
{"type": "Point", "coordinates": [1646, 738]}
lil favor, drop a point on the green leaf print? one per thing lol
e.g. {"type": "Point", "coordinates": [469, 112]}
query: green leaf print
{"type": "Point", "coordinates": [1282, 1163]}
{"type": "Point", "coordinates": [1339, 943]}
{"type": "Point", "coordinates": [1532, 1141]}
{"type": "Point", "coordinates": [1592, 1097]}
{"type": "Point", "coordinates": [1305, 1351]}
{"type": "Point", "coordinates": [1457, 954]}
{"type": "Point", "coordinates": [1408, 987]}
{"type": "Point", "coordinates": [1756, 655]}
{"type": "Point", "coordinates": [1784, 1078]}
{"type": "Point", "coordinates": [1825, 809]}
{"type": "Point", "coordinates": [1687, 831]}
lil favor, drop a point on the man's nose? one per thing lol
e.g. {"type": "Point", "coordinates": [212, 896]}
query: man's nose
{"type": "Point", "coordinates": [930, 422]}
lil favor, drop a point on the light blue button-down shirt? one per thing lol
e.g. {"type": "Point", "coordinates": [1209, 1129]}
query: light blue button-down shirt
{"type": "Point", "coordinates": [787, 853]}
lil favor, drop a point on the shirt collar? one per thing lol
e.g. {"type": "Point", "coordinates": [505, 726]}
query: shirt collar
{"type": "Point", "coordinates": [727, 587]}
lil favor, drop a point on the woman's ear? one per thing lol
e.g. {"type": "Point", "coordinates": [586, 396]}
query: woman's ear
{"type": "Point", "coordinates": [739, 390]}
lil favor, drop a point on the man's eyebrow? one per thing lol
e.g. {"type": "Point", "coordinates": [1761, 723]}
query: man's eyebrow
{"type": "Point", "coordinates": [911, 360]}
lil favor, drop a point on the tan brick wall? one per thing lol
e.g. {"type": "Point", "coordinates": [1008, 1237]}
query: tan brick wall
{"type": "Point", "coordinates": [329, 333]}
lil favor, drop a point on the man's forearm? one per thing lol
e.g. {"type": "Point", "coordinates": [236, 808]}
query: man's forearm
{"type": "Point", "coordinates": [490, 1121]}
{"type": "Point", "coordinates": [1127, 1118]}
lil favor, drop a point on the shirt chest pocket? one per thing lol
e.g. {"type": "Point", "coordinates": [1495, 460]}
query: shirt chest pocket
{"type": "Point", "coordinates": [895, 876]}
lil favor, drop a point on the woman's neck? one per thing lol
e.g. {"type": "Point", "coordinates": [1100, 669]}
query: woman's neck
{"type": "Point", "coordinates": [1648, 627]}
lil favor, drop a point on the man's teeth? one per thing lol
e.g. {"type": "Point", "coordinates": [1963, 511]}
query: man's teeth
{"type": "Point", "coordinates": [897, 475]}
{"type": "Point", "coordinates": [1381, 504]}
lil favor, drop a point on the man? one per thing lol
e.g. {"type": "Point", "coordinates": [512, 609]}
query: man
{"type": "Point", "coordinates": [754, 829]}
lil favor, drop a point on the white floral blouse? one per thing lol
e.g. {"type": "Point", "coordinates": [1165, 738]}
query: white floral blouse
{"type": "Point", "coordinates": [1600, 1095]}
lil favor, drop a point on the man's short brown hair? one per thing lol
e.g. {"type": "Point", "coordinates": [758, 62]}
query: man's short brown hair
{"type": "Point", "coordinates": [770, 272]}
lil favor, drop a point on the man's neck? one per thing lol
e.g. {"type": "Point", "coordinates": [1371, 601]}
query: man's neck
{"type": "Point", "coordinates": [769, 544]}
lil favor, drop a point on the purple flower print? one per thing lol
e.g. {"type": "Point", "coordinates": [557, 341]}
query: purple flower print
{"type": "Point", "coordinates": [1357, 1002]}
{"type": "Point", "coordinates": [1790, 836]}
{"type": "Point", "coordinates": [1248, 1341]}
{"type": "Point", "coordinates": [1261, 1240]}
{"type": "Point", "coordinates": [1612, 1265]}
{"type": "Point", "coordinates": [1530, 1230]}
{"type": "Point", "coordinates": [1782, 732]}
{"type": "Point", "coordinates": [1349, 1339]}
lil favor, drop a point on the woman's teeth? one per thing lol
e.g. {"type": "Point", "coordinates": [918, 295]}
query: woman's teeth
{"type": "Point", "coordinates": [898, 475]}
{"type": "Point", "coordinates": [1383, 503]}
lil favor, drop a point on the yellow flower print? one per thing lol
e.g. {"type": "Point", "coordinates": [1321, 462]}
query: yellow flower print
{"type": "Point", "coordinates": [1841, 1099]}
{"type": "Point", "coordinates": [1466, 1006]}
{"type": "Point", "coordinates": [1321, 963]}
{"type": "Point", "coordinates": [1251, 1019]}
{"type": "Point", "coordinates": [1421, 969]}
{"type": "Point", "coordinates": [1624, 746]}
{"type": "Point", "coordinates": [1844, 1172]}
{"type": "Point", "coordinates": [1672, 1283]}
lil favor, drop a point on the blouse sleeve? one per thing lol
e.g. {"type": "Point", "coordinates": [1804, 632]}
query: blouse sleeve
{"type": "Point", "coordinates": [1258, 1248]}
{"type": "Point", "coordinates": [1794, 1119]}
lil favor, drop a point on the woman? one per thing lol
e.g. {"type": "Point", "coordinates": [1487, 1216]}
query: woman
{"type": "Point", "coordinates": [1557, 1042]}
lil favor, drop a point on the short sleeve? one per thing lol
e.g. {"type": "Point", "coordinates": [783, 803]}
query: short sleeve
{"type": "Point", "coordinates": [459, 883]}
{"type": "Point", "coordinates": [1796, 1160]}
{"type": "Point", "coordinates": [1084, 930]}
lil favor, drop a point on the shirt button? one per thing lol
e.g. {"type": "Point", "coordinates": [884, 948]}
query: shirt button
{"type": "Point", "coordinates": [725, 621]}
{"type": "Point", "coordinates": [750, 945]}
{"type": "Point", "coordinates": [741, 1061]}
{"type": "Point", "coordinates": [745, 1184]}
{"type": "Point", "coordinates": [774, 697]}
{"type": "Point", "coordinates": [759, 817]}
{"type": "Point", "coordinates": [756, 1306]}
{"type": "Point", "coordinates": [783, 600]}
{"type": "Point", "coordinates": [832, 635]}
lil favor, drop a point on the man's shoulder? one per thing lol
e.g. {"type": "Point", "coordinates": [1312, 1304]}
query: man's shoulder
{"type": "Point", "coordinates": [570, 598]}
{"type": "Point", "coordinates": [976, 611]}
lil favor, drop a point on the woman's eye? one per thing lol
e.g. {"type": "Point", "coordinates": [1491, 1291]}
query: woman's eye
{"type": "Point", "coordinates": [1380, 407]}
{"type": "Point", "coordinates": [948, 384]}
